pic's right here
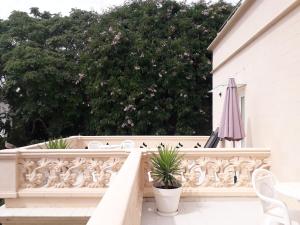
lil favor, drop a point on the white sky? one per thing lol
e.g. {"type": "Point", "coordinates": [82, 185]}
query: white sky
{"type": "Point", "coordinates": [62, 6]}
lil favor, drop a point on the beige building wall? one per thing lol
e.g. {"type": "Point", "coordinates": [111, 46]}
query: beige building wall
{"type": "Point", "coordinates": [269, 67]}
{"type": "Point", "coordinates": [251, 17]}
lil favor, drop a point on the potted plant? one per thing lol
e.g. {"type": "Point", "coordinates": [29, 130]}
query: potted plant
{"type": "Point", "coordinates": [57, 144]}
{"type": "Point", "coordinates": [166, 186]}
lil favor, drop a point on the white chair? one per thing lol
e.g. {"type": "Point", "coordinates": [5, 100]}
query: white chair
{"type": "Point", "coordinates": [95, 145]}
{"type": "Point", "coordinates": [127, 144]}
{"type": "Point", "coordinates": [276, 211]}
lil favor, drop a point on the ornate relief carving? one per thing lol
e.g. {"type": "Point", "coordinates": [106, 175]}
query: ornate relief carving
{"type": "Point", "coordinates": [68, 173]}
{"type": "Point", "coordinates": [218, 171]}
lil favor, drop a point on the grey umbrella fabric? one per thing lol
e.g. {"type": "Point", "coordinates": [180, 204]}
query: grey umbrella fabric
{"type": "Point", "coordinates": [231, 127]}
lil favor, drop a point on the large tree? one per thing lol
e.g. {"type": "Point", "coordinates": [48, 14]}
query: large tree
{"type": "Point", "coordinates": [148, 68]}
{"type": "Point", "coordinates": [142, 68]}
{"type": "Point", "coordinates": [40, 64]}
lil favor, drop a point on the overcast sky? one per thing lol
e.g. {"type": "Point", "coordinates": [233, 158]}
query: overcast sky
{"type": "Point", "coordinates": [62, 6]}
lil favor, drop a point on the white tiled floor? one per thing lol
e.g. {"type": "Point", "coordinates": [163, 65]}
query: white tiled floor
{"type": "Point", "coordinates": [208, 212]}
{"type": "Point", "coordinates": [45, 212]}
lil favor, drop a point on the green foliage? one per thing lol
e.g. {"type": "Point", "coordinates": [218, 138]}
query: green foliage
{"type": "Point", "coordinates": [41, 72]}
{"type": "Point", "coordinates": [166, 166]}
{"type": "Point", "coordinates": [149, 70]}
{"type": "Point", "coordinates": [142, 68]}
{"type": "Point", "coordinates": [57, 144]}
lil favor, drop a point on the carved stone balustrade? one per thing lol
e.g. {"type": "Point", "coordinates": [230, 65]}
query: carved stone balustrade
{"type": "Point", "coordinates": [142, 142]}
{"type": "Point", "coordinates": [33, 176]}
{"type": "Point", "coordinates": [216, 172]}
{"type": "Point", "coordinates": [36, 177]}
{"type": "Point", "coordinates": [61, 176]}
{"type": "Point", "coordinates": [68, 173]}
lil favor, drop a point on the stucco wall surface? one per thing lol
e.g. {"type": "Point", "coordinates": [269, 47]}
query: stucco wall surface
{"type": "Point", "coordinates": [259, 14]}
{"type": "Point", "coordinates": [270, 68]}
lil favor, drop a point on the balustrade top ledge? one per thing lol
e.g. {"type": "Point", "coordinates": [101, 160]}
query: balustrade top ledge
{"type": "Point", "coordinates": [19, 152]}
{"type": "Point", "coordinates": [220, 151]}
{"type": "Point", "coordinates": [145, 137]}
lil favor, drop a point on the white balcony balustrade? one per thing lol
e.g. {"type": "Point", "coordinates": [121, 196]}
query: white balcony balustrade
{"type": "Point", "coordinates": [112, 182]}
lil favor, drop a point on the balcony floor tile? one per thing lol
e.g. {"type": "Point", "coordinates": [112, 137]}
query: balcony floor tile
{"type": "Point", "coordinates": [208, 212]}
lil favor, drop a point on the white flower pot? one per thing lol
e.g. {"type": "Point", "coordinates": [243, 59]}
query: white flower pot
{"type": "Point", "coordinates": [167, 200]}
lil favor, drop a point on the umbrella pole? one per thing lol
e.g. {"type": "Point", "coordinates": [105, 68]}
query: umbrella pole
{"type": "Point", "coordinates": [234, 144]}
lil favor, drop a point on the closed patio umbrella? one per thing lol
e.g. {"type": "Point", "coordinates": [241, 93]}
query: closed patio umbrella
{"type": "Point", "coordinates": [231, 127]}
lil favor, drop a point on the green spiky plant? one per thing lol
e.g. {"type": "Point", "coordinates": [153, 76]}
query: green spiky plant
{"type": "Point", "coordinates": [57, 144]}
{"type": "Point", "coordinates": [166, 166]}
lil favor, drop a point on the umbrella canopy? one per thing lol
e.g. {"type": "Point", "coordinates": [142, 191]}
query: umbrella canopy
{"type": "Point", "coordinates": [231, 127]}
